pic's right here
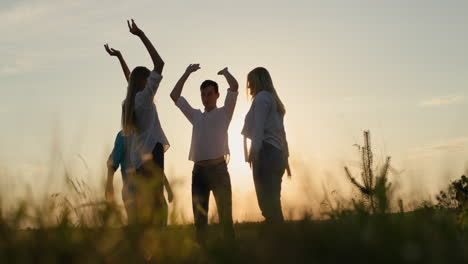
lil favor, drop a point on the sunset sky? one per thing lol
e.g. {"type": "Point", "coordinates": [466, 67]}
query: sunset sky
{"type": "Point", "coordinates": [398, 68]}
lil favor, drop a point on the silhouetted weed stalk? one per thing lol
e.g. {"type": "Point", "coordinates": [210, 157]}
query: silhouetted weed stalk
{"type": "Point", "coordinates": [375, 187]}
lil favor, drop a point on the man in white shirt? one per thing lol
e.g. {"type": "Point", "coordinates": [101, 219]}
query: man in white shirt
{"type": "Point", "coordinates": [208, 149]}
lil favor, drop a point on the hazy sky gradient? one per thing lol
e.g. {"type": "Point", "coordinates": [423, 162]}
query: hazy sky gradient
{"type": "Point", "coordinates": [397, 68]}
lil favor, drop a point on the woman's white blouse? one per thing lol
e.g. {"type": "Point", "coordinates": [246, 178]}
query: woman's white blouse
{"type": "Point", "coordinates": [149, 131]}
{"type": "Point", "coordinates": [263, 122]}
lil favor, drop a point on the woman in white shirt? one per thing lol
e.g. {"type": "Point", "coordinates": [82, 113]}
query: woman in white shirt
{"type": "Point", "coordinates": [268, 155]}
{"type": "Point", "coordinates": [148, 142]}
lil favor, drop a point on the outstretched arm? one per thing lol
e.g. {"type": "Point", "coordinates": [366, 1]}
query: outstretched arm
{"type": "Point", "coordinates": [177, 91]}
{"type": "Point", "coordinates": [170, 194]}
{"type": "Point", "coordinates": [157, 61]}
{"type": "Point", "coordinates": [113, 163]}
{"type": "Point", "coordinates": [233, 85]}
{"type": "Point", "coordinates": [116, 53]}
{"type": "Point", "coordinates": [231, 97]}
{"type": "Point", "coordinates": [109, 193]}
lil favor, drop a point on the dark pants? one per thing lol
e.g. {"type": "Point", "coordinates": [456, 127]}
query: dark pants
{"type": "Point", "coordinates": [212, 178]}
{"type": "Point", "coordinates": [268, 172]}
{"type": "Point", "coordinates": [147, 188]}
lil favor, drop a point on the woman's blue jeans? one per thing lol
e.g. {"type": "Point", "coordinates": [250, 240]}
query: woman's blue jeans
{"type": "Point", "coordinates": [268, 172]}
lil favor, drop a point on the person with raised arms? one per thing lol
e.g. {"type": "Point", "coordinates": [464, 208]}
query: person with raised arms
{"type": "Point", "coordinates": [209, 149]}
{"type": "Point", "coordinates": [145, 139]}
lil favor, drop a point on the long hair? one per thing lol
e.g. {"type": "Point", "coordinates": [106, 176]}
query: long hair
{"type": "Point", "coordinates": [258, 80]}
{"type": "Point", "coordinates": [136, 83]}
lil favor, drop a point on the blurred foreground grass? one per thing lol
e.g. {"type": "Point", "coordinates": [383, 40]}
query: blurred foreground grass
{"type": "Point", "coordinates": [79, 228]}
{"type": "Point", "coordinates": [427, 235]}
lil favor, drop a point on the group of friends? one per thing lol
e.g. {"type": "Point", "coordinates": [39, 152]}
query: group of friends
{"type": "Point", "coordinates": [140, 145]}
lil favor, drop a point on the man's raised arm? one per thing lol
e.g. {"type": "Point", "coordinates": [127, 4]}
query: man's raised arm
{"type": "Point", "coordinates": [177, 91]}
{"type": "Point", "coordinates": [233, 85]}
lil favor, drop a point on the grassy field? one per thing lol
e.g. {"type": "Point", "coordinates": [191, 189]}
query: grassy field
{"type": "Point", "coordinates": [362, 229]}
{"type": "Point", "coordinates": [423, 236]}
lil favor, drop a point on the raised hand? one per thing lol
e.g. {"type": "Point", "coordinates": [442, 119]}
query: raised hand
{"type": "Point", "coordinates": [134, 29]}
{"type": "Point", "coordinates": [158, 63]}
{"type": "Point", "coordinates": [192, 68]}
{"type": "Point", "coordinates": [175, 94]}
{"type": "Point", "coordinates": [111, 51]}
{"type": "Point", "coordinates": [233, 85]}
{"type": "Point", "coordinates": [223, 71]}
{"type": "Point", "coordinates": [116, 53]}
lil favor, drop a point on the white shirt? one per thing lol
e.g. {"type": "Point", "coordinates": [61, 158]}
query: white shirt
{"type": "Point", "coordinates": [149, 130]}
{"type": "Point", "coordinates": [264, 123]}
{"type": "Point", "coordinates": [209, 129]}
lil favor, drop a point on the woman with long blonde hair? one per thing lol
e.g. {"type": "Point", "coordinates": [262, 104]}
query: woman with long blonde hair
{"type": "Point", "coordinates": [269, 152]}
{"type": "Point", "coordinates": [145, 142]}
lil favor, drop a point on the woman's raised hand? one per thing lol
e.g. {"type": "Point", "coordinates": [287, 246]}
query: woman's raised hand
{"type": "Point", "coordinates": [134, 29]}
{"type": "Point", "coordinates": [111, 51]}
